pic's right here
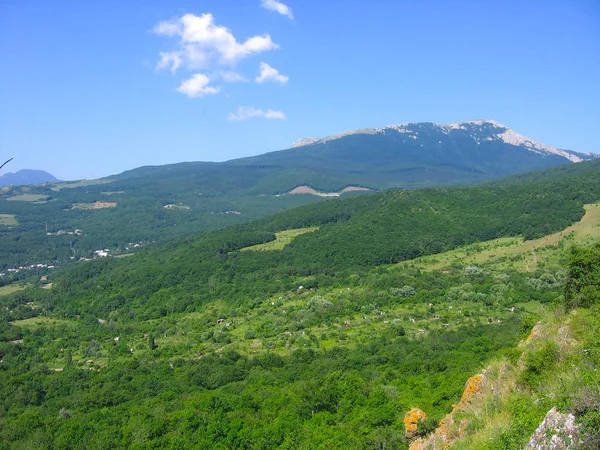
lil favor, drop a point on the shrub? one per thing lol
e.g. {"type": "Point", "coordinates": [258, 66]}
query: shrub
{"type": "Point", "coordinates": [583, 277]}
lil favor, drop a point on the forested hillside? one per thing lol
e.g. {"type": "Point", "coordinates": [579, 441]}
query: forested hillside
{"type": "Point", "coordinates": [353, 234]}
{"type": "Point", "coordinates": [152, 205]}
{"type": "Point", "coordinates": [316, 340]}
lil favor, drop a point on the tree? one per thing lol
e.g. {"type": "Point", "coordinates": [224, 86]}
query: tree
{"type": "Point", "coordinates": [68, 358]}
{"type": "Point", "coordinates": [583, 277]}
{"type": "Point", "coordinates": [151, 343]}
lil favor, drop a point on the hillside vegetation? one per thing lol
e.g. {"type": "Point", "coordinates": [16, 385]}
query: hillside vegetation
{"type": "Point", "coordinates": [154, 205]}
{"type": "Point", "coordinates": [324, 340]}
{"type": "Point", "coordinates": [554, 370]}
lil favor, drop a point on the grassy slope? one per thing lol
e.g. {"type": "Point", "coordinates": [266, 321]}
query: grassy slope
{"type": "Point", "coordinates": [556, 369]}
{"type": "Point", "coordinates": [282, 239]}
{"type": "Point", "coordinates": [514, 252]}
{"type": "Point", "coordinates": [8, 220]}
{"type": "Point", "coordinates": [277, 310]}
{"type": "Point", "coordinates": [11, 288]}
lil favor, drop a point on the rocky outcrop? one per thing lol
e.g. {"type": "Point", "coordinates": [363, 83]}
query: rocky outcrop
{"type": "Point", "coordinates": [556, 432]}
{"type": "Point", "coordinates": [471, 388]}
{"type": "Point", "coordinates": [449, 429]}
{"type": "Point", "coordinates": [411, 423]}
{"type": "Point", "coordinates": [536, 332]}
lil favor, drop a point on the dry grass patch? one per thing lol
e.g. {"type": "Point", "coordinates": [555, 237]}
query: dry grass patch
{"type": "Point", "coordinates": [95, 205]}
{"type": "Point", "coordinates": [8, 220]}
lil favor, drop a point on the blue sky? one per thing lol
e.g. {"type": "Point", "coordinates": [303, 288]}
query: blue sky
{"type": "Point", "coordinates": [92, 88]}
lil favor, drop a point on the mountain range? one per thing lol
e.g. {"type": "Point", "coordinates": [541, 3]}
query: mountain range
{"type": "Point", "coordinates": [154, 204]}
{"type": "Point", "coordinates": [26, 177]}
{"type": "Point", "coordinates": [399, 156]}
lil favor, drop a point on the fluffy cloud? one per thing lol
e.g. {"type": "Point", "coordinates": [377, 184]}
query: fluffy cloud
{"type": "Point", "coordinates": [203, 44]}
{"type": "Point", "coordinates": [274, 5]}
{"type": "Point", "coordinates": [171, 60]}
{"type": "Point", "coordinates": [249, 112]}
{"type": "Point", "coordinates": [268, 73]}
{"type": "Point", "coordinates": [197, 86]}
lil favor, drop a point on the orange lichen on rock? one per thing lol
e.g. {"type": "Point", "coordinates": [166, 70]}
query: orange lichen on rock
{"type": "Point", "coordinates": [448, 430]}
{"type": "Point", "coordinates": [411, 422]}
{"type": "Point", "coordinates": [535, 332]}
{"type": "Point", "coordinates": [472, 387]}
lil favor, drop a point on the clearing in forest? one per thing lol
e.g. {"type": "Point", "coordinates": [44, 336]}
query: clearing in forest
{"type": "Point", "coordinates": [27, 198]}
{"type": "Point", "coordinates": [311, 191]}
{"type": "Point", "coordinates": [8, 220]}
{"type": "Point", "coordinates": [282, 238]}
{"type": "Point", "coordinates": [11, 288]}
{"type": "Point", "coordinates": [36, 322]}
{"type": "Point", "coordinates": [96, 205]}
{"type": "Point", "coordinates": [75, 184]}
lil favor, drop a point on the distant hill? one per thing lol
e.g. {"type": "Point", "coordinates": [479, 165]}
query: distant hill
{"type": "Point", "coordinates": [25, 177]}
{"type": "Point", "coordinates": [156, 204]}
{"type": "Point", "coordinates": [399, 156]}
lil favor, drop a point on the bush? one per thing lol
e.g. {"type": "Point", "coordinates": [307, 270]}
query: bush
{"type": "Point", "coordinates": [583, 277]}
{"type": "Point", "coordinates": [539, 363]}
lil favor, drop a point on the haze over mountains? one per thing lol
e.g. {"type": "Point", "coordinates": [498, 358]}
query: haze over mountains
{"type": "Point", "coordinates": [26, 177]}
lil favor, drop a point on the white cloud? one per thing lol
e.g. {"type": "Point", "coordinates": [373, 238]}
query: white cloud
{"type": "Point", "coordinates": [268, 73]}
{"type": "Point", "coordinates": [197, 86]}
{"type": "Point", "coordinates": [172, 59]}
{"type": "Point", "coordinates": [204, 44]}
{"type": "Point", "coordinates": [274, 5]}
{"type": "Point", "coordinates": [249, 112]}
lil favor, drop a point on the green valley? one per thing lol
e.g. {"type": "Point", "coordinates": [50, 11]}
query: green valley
{"type": "Point", "coordinates": [355, 312]}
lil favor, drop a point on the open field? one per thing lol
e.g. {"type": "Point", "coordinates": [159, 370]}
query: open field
{"type": "Point", "coordinates": [78, 183]}
{"type": "Point", "coordinates": [96, 205]}
{"type": "Point", "coordinates": [28, 198]}
{"type": "Point", "coordinates": [9, 289]}
{"type": "Point", "coordinates": [36, 322]}
{"type": "Point", "coordinates": [514, 252]}
{"type": "Point", "coordinates": [283, 238]}
{"type": "Point", "coordinates": [8, 220]}
{"type": "Point", "coordinates": [309, 190]}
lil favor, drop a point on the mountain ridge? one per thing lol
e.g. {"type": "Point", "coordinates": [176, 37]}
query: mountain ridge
{"type": "Point", "coordinates": [509, 136]}
{"type": "Point", "coordinates": [421, 155]}
{"type": "Point", "coordinates": [26, 177]}
{"type": "Point", "coordinates": [409, 155]}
